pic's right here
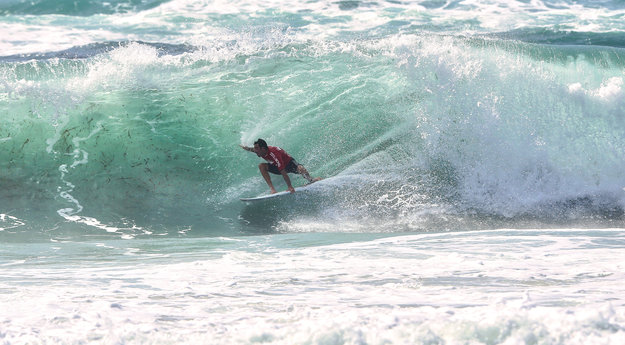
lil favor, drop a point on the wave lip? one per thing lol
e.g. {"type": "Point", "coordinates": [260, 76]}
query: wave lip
{"type": "Point", "coordinates": [541, 35]}
{"type": "Point", "coordinates": [94, 49]}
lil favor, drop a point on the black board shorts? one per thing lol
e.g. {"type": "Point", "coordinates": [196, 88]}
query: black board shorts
{"type": "Point", "coordinates": [290, 168]}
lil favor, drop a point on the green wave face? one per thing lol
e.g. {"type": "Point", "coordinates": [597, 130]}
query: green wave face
{"type": "Point", "coordinates": [417, 132]}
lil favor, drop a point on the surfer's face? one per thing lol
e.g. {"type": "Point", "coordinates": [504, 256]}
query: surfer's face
{"type": "Point", "coordinates": [260, 151]}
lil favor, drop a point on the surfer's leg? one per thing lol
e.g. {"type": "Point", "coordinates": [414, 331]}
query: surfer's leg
{"type": "Point", "coordinates": [302, 171]}
{"type": "Point", "coordinates": [264, 170]}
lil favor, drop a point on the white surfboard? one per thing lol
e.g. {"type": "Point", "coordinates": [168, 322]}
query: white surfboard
{"type": "Point", "coordinates": [276, 195]}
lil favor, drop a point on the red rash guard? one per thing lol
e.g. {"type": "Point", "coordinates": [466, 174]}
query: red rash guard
{"type": "Point", "coordinates": [277, 157]}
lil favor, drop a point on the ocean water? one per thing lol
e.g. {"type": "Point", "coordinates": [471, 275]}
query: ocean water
{"type": "Point", "coordinates": [473, 156]}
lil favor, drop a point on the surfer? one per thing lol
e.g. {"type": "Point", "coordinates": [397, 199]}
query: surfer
{"type": "Point", "coordinates": [280, 163]}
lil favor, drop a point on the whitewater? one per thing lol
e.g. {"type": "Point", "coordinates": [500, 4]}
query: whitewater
{"type": "Point", "coordinates": [472, 155]}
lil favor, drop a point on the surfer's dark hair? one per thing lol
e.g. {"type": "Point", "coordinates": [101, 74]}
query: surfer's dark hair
{"type": "Point", "coordinates": [261, 143]}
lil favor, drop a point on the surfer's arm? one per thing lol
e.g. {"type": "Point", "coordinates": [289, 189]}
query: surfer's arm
{"type": "Point", "coordinates": [251, 149]}
{"type": "Point", "coordinates": [285, 175]}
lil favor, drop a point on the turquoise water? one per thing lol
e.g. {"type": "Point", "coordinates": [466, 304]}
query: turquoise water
{"type": "Point", "coordinates": [431, 122]}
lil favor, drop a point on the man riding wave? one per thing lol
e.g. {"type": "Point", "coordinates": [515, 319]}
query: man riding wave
{"type": "Point", "coordinates": [280, 163]}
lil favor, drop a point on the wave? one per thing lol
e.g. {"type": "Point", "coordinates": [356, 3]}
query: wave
{"type": "Point", "coordinates": [413, 133]}
{"type": "Point", "coordinates": [549, 36]}
{"type": "Point", "coordinates": [75, 7]}
{"type": "Point", "coordinates": [94, 49]}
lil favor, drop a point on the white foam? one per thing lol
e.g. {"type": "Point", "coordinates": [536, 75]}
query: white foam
{"type": "Point", "coordinates": [501, 287]}
{"type": "Point", "coordinates": [9, 222]}
{"type": "Point", "coordinates": [324, 20]}
{"type": "Point", "coordinates": [45, 36]}
{"type": "Point", "coordinates": [131, 66]}
{"type": "Point", "coordinates": [611, 90]}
